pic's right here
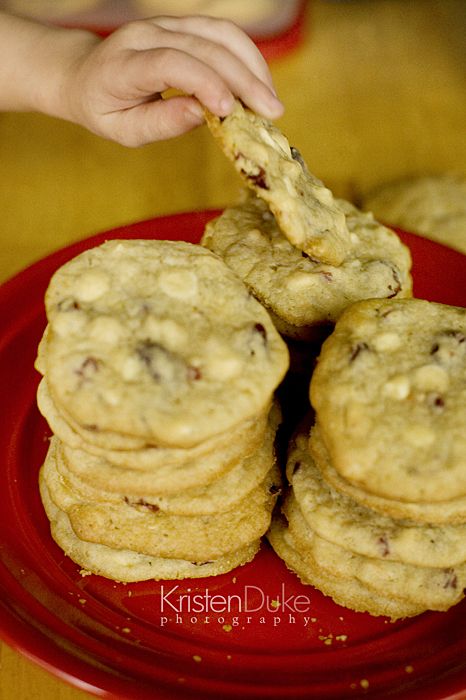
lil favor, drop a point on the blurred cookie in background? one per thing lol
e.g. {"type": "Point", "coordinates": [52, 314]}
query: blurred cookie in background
{"type": "Point", "coordinates": [433, 206]}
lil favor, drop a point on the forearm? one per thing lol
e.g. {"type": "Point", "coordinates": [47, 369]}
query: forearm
{"type": "Point", "coordinates": [35, 60]}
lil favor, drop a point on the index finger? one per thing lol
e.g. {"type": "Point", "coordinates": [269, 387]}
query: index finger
{"type": "Point", "coordinates": [225, 33]}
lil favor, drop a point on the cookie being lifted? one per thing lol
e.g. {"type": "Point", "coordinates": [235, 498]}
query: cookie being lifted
{"type": "Point", "coordinates": [304, 208]}
{"type": "Point", "coordinates": [389, 392]}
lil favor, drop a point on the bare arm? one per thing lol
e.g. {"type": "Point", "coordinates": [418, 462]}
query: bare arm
{"type": "Point", "coordinates": [111, 86]}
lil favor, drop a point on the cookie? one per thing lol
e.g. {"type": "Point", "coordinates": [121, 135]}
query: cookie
{"type": "Point", "coordinates": [130, 566]}
{"type": "Point", "coordinates": [217, 496]}
{"type": "Point", "coordinates": [144, 528]}
{"type": "Point", "coordinates": [348, 592]}
{"type": "Point", "coordinates": [389, 391]}
{"type": "Point", "coordinates": [166, 467]}
{"type": "Point", "coordinates": [431, 588]}
{"type": "Point", "coordinates": [159, 341]}
{"type": "Point", "coordinates": [449, 512]}
{"type": "Point", "coordinates": [432, 205]}
{"type": "Point", "coordinates": [341, 520]}
{"type": "Point", "coordinates": [305, 210]}
{"type": "Point", "coordinates": [301, 293]}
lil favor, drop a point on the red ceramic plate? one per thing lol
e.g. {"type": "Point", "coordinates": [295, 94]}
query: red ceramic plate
{"type": "Point", "coordinates": [254, 633]}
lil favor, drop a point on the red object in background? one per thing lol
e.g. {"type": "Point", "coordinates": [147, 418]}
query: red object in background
{"type": "Point", "coordinates": [274, 46]}
{"type": "Point", "coordinates": [113, 639]}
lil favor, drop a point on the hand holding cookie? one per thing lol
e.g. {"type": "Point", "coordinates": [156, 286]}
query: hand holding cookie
{"type": "Point", "coordinates": [114, 87]}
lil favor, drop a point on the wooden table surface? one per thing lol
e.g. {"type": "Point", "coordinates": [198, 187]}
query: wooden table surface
{"type": "Point", "coordinates": [376, 91]}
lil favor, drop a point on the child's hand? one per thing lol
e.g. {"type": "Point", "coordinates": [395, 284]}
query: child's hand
{"type": "Point", "coordinates": [114, 87]}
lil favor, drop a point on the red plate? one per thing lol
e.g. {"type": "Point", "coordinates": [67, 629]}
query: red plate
{"type": "Point", "coordinates": [222, 637]}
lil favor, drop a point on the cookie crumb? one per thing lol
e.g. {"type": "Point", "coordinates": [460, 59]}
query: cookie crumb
{"type": "Point", "coordinates": [364, 683]}
{"type": "Point", "coordinates": [227, 628]}
{"type": "Point", "coordinates": [197, 658]}
{"type": "Point", "coordinates": [409, 668]}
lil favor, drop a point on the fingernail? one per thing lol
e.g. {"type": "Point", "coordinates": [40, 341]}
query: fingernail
{"type": "Point", "coordinates": [226, 105]}
{"type": "Point", "coordinates": [195, 108]}
{"type": "Point", "coordinates": [275, 106]}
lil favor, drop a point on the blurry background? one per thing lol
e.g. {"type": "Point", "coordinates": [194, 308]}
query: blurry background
{"type": "Point", "coordinates": [374, 91]}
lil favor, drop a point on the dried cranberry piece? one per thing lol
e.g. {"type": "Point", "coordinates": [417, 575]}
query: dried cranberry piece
{"type": "Point", "coordinates": [141, 502]}
{"type": "Point", "coordinates": [88, 367]}
{"type": "Point", "coordinates": [396, 277]}
{"type": "Point", "coordinates": [451, 579]}
{"type": "Point", "coordinates": [258, 179]}
{"type": "Point", "coordinates": [194, 373]}
{"type": "Point", "coordinates": [202, 563]}
{"type": "Point", "coordinates": [160, 362]}
{"type": "Point", "coordinates": [261, 330]}
{"type": "Point", "coordinates": [383, 545]}
{"type": "Point", "coordinates": [357, 349]}
{"type": "Point", "coordinates": [68, 305]}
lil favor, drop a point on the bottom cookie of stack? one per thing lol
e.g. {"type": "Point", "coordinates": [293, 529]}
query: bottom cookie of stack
{"type": "Point", "coordinates": [126, 565]}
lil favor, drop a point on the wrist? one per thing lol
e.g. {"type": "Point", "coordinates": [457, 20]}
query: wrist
{"type": "Point", "coordinates": [61, 52]}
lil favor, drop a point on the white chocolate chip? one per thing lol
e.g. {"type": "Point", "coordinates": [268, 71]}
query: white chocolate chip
{"type": "Point", "coordinates": [106, 330]}
{"type": "Point", "coordinates": [277, 141]}
{"type": "Point", "coordinates": [255, 236]}
{"type": "Point", "coordinates": [110, 397]}
{"type": "Point", "coordinates": [91, 285]}
{"type": "Point", "coordinates": [299, 281]}
{"type": "Point", "coordinates": [130, 368]}
{"type": "Point", "coordinates": [223, 363]}
{"type": "Point", "coordinates": [127, 269]}
{"type": "Point", "coordinates": [164, 331]}
{"type": "Point", "coordinates": [224, 367]}
{"type": "Point", "coordinates": [179, 284]}
{"type": "Point", "coordinates": [431, 378]}
{"type": "Point", "coordinates": [397, 387]}
{"type": "Point", "coordinates": [387, 342]}
{"type": "Point", "coordinates": [69, 323]}
{"type": "Point", "coordinates": [290, 188]}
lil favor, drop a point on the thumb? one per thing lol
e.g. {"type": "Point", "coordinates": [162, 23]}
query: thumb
{"type": "Point", "coordinates": [158, 120]}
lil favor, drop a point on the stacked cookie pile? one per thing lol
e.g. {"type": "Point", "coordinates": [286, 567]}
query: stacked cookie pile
{"type": "Point", "coordinates": [376, 513]}
{"type": "Point", "coordinates": [159, 370]}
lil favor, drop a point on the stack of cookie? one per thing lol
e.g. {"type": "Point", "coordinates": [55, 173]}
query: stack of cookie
{"type": "Point", "coordinates": [376, 513]}
{"type": "Point", "coordinates": [159, 370]}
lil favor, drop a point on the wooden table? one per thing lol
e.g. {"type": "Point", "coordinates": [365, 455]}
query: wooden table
{"type": "Point", "coordinates": [375, 92]}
